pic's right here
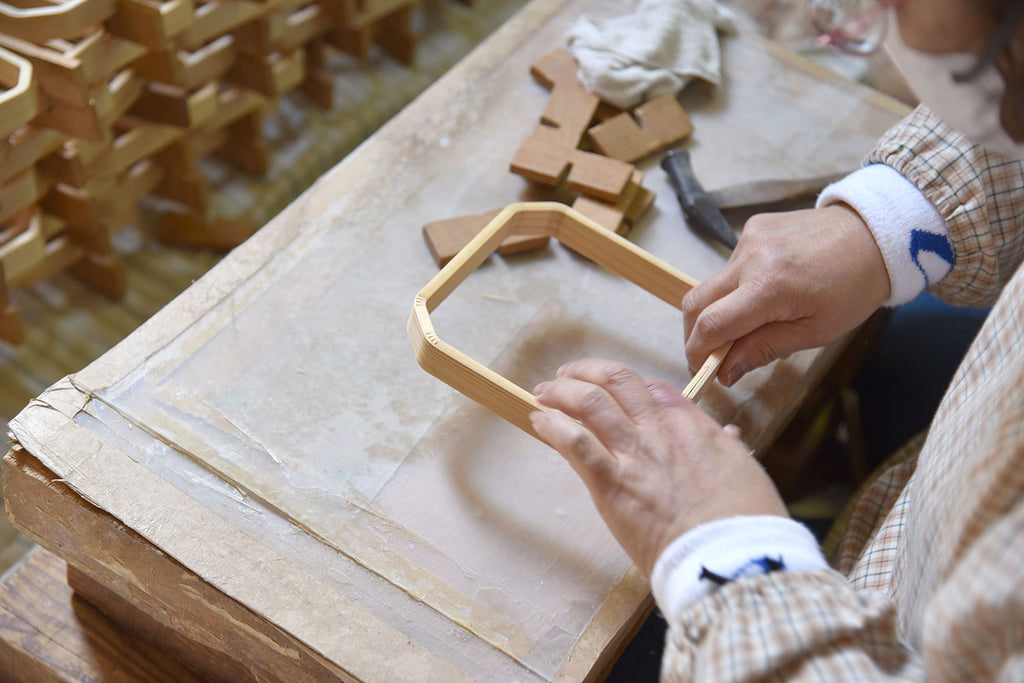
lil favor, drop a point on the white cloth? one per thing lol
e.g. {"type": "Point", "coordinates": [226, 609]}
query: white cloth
{"type": "Point", "coordinates": [726, 547]}
{"type": "Point", "coordinates": [654, 50]}
{"type": "Point", "coordinates": [907, 227]}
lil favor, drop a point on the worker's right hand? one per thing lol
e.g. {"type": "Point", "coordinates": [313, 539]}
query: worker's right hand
{"type": "Point", "coordinates": [795, 281]}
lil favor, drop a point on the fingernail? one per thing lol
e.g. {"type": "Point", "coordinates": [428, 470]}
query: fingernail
{"type": "Point", "coordinates": [564, 369]}
{"type": "Point", "coordinates": [539, 389]}
{"type": "Point", "coordinates": [736, 373]}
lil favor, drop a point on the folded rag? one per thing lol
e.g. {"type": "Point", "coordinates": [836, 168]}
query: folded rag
{"type": "Point", "coordinates": [656, 49]}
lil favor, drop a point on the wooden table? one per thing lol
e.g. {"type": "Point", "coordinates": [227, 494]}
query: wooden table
{"type": "Point", "coordinates": [263, 468]}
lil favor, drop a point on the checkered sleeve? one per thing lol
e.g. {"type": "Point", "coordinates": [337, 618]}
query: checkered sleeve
{"type": "Point", "coordinates": [978, 193]}
{"type": "Point", "coordinates": [807, 626]}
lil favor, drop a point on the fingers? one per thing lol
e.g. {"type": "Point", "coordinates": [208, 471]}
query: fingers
{"type": "Point", "coordinates": [626, 387]}
{"type": "Point", "coordinates": [665, 394]}
{"type": "Point", "coordinates": [706, 293]}
{"type": "Point", "coordinates": [729, 318]}
{"type": "Point", "coordinates": [585, 454]}
{"type": "Point", "coordinates": [603, 396]}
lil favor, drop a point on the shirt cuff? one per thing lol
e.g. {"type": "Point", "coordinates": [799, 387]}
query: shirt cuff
{"type": "Point", "coordinates": [909, 230]}
{"type": "Point", "coordinates": [729, 548]}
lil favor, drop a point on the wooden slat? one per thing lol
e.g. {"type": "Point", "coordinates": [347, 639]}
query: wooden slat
{"type": "Point", "coordinates": [48, 633]}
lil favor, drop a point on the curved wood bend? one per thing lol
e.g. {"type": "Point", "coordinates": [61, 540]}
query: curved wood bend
{"type": "Point", "coordinates": [19, 99]}
{"type": "Point", "coordinates": [50, 20]}
{"type": "Point", "coordinates": [574, 230]}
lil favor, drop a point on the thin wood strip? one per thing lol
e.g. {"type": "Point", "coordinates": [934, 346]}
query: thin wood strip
{"type": "Point", "coordinates": [702, 380]}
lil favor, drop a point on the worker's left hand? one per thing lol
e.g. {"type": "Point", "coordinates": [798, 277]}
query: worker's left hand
{"type": "Point", "coordinates": [655, 464]}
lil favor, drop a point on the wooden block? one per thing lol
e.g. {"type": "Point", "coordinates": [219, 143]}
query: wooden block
{"type": "Point", "coordinates": [445, 238]}
{"type": "Point", "coordinates": [73, 121]}
{"type": "Point", "coordinates": [396, 37]}
{"type": "Point", "coordinates": [18, 193]}
{"type": "Point", "coordinates": [11, 330]}
{"type": "Point", "coordinates": [641, 204]}
{"type": "Point", "coordinates": [541, 158]}
{"type": "Point", "coordinates": [272, 75]}
{"type": "Point", "coordinates": [190, 70]}
{"type": "Point", "coordinates": [359, 24]}
{"type": "Point", "coordinates": [213, 19]}
{"type": "Point", "coordinates": [25, 147]}
{"type": "Point", "coordinates": [570, 109]}
{"type": "Point", "coordinates": [24, 249]}
{"type": "Point", "coordinates": [61, 254]}
{"type": "Point", "coordinates": [244, 145]}
{"type": "Point", "coordinates": [298, 28]}
{"type": "Point", "coordinates": [611, 215]}
{"type": "Point", "coordinates": [598, 176]}
{"type": "Point", "coordinates": [658, 124]}
{"type": "Point", "coordinates": [557, 66]}
{"type": "Point", "coordinates": [49, 632]}
{"type": "Point", "coordinates": [175, 105]}
{"type": "Point", "coordinates": [150, 22]}
{"type": "Point", "coordinates": [140, 141]}
{"type": "Point", "coordinates": [291, 24]}
{"type": "Point", "coordinates": [119, 198]}
{"type": "Point", "coordinates": [103, 53]}
{"type": "Point", "coordinates": [75, 206]}
{"type": "Point", "coordinates": [193, 231]}
{"type": "Point", "coordinates": [112, 101]}
{"type": "Point", "coordinates": [356, 41]}
{"type": "Point", "coordinates": [103, 272]}
{"type": "Point", "coordinates": [319, 85]}
{"type": "Point", "coordinates": [191, 190]}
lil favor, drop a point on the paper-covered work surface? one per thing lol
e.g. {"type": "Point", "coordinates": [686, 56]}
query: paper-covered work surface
{"type": "Point", "coordinates": [276, 411]}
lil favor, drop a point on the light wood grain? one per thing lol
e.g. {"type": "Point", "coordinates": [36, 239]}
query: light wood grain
{"type": "Point", "coordinates": [653, 126]}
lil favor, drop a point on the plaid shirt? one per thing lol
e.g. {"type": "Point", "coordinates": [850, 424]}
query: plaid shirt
{"type": "Point", "coordinates": [929, 577]}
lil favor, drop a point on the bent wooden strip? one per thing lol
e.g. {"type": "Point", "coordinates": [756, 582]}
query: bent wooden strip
{"type": "Point", "coordinates": [575, 231]}
{"type": "Point", "coordinates": [49, 21]}
{"type": "Point", "coordinates": [19, 99]}
{"type": "Point", "coordinates": [700, 382]}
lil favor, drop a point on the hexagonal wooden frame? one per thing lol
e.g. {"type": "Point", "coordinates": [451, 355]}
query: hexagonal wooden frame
{"type": "Point", "coordinates": [582, 235]}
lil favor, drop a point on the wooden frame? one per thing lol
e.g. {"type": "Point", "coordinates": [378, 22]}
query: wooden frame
{"type": "Point", "coordinates": [577, 232]}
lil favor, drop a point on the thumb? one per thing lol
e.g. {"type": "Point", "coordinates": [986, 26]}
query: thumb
{"type": "Point", "coordinates": [762, 346]}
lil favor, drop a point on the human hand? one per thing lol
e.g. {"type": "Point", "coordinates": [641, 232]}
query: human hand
{"type": "Point", "coordinates": [796, 280]}
{"type": "Point", "coordinates": [655, 464]}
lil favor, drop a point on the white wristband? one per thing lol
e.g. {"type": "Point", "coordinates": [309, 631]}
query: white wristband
{"type": "Point", "coordinates": [909, 230]}
{"type": "Point", "coordinates": [729, 549]}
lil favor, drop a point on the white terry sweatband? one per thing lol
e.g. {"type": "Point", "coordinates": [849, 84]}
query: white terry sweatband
{"type": "Point", "coordinates": [909, 230]}
{"type": "Point", "coordinates": [729, 548]}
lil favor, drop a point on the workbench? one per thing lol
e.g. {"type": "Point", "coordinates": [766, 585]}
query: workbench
{"type": "Point", "coordinates": [263, 470]}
